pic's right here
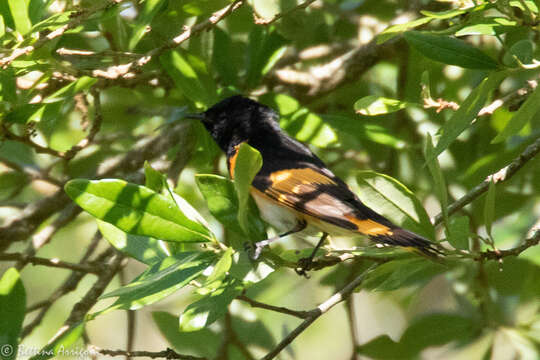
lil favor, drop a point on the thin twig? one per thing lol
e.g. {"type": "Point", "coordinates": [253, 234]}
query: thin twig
{"type": "Point", "coordinates": [500, 176]}
{"type": "Point", "coordinates": [283, 310]}
{"type": "Point", "coordinates": [9, 135]}
{"type": "Point", "coordinates": [261, 21]}
{"type": "Point", "coordinates": [34, 260]}
{"type": "Point", "coordinates": [165, 354]}
{"type": "Point", "coordinates": [318, 311]}
{"type": "Point", "coordinates": [96, 125]}
{"type": "Point", "coordinates": [499, 254]}
{"type": "Point", "coordinates": [77, 18]}
{"type": "Point", "coordinates": [119, 71]}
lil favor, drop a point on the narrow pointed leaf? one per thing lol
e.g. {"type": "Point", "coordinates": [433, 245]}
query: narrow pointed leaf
{"type": "Point", "coordinates": [526, 112]}
{"type": "Point", "coordinates": [449, 50]}
{"type": "Point", "coordinates": [457, 232]}
{"type": "Point", "coordinates": [210, 308]}
{"type": "Point", "coordinates": [160, 280]}
{"type": "Point", "coordinates": [489, 207]}
{"type": "Point", "coordinates": [438, 177]}
{"type": "Point", "coordinates": [467, 112]}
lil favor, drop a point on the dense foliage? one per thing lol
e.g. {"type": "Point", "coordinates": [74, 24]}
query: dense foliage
{"type": "Point", "coordinates": [429, 110]}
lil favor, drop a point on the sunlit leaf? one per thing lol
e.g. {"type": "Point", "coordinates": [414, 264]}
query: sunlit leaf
{"type": "Point", "coordinates": [438, 177]}
{"type": "Point", "coordinates": [469, 108]}
{"type": "Point", "coordinates": [377, 105]}
{"type": "Point", "coordinates": [160, 280]}
{"type": "Point", "coordinates": [62, 343]}
{"type": "Point", "coordinates": [136, 210]}
{"type": "Point", "coordinates": [147, 13]}
{"type": "Point", "coordinates": [19, 12]}
{"type": "Point", "coordinates": [247, 165]}
{"type": "Point", "coordinates": [392, 199]}
{"type": "Point", "coordinates": [143, 248]}
{"type": "Point", "coordinates": [12, 312]}
{"type": "Point", "coordinates": [526, 112]}
{"type": "Point", "coordinates": [222, 201]}
{"type": "Point", "coordinates": [210, 308]}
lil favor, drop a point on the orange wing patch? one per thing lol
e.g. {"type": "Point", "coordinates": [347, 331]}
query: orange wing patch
{"type": "Point", "coordinates": [369, 227]}
{"type": "Point", "coordinates": [292, 180]}
{"type": "Point", "coordinates": [232, 161]}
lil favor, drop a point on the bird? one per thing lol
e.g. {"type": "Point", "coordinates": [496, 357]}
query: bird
{"type": "Point", "coordinates": [294, 190]}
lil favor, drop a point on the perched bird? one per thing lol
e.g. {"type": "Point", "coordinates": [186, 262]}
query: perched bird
{"type": "Point", "coordinates": [294, 190]}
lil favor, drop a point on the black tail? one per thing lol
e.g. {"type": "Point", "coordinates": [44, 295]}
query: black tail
{"type": "Point", "coordinates": [401, 237]}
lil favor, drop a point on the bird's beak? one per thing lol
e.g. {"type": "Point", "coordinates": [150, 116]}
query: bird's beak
{"type": "Point", "coordinates": [198, 116]}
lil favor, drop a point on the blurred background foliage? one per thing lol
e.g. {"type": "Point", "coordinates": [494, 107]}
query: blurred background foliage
{"type": "Point", "coordinates": [93, 89]}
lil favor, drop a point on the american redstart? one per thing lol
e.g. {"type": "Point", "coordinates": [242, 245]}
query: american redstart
{"type": "Point", "coordinates": [294, 190]}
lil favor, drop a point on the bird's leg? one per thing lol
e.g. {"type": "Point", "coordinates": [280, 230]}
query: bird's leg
{"type": "Point", "coordinates": [258, 246]}
{"type": "Point", "coordinates": [305, 263]}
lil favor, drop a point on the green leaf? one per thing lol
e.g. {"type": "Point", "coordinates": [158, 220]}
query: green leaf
{"type": "Point", "coordinates": [160, 280]}
{"type": "Point", "coordinates": [249, 272]}
{"type": "Point", "coordinates": [204, 342]}
{"type": "Point", "coordinates": [61, 343]}
{"type": "Point", "coordinates": [221, 57]}
{"type": "Point", "coordinates": [438, 177]}
{"type": "Point", "coordinates": [143, 248]}
{"type": "Point", "coordinates": [210, 308]}
{"type": "Point", "coordinates": [457, 232]}
{"type": "Point", "coordinates": [449, 50]}
{"type": "Point", "coordinates": [154, 180]}
{"type": "Point", "coordinates": [529, 3]}
{"type": "Point", "coordinates": [19, 12]}
{"type": "Point", "coordinates": [222, 201]}
{"type": "Point", "coordinates": [219, 273]}
{"type": "Point", "coordinates": [146, 14]}
{"type": "Point", "coordinates": [526, 112]}
{"type": "Point", "coordinates": [188, 77]}
{"type": "Point", "coordinates": [489, 207]}
{"type": "Point", "coordinates": [487, 26]}
{"type": "Point", "coordinates": [265, 48]}
{"type": "Point", "coordinates": [136, 210]}
{"type": "Point", "coordinates": [247, 165]}
{"type": "Point", "coordinates": [402, 273]}
{"type": "Point", "coordinates": [377, 105]}
{"type": "Point", "coordinates": [522, 50]}
{"type": "Point", "coordinates": [392, 199]}
{"type": "Point", "coordinates": [82, 84]}
{"type": "Point", "coordinates": [2, 26]}
{"type": "Point", "coordinates": [307, 126]}
{"type": "Point", "coordinates": [421, 334]}
{"type": "Point", "coordinates": [442, 15]}
{"type": "Point", "coordinates": [12, 312]}
{"type": "Point", "coordinates": [463, 117]}
{"type": "Point", "coordinates": [396, 30]}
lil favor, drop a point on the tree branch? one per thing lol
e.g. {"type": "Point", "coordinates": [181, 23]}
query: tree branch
{"type": "Point", "coordinates": [77, 19]}
{"type": "Point", "coordinates": [500, 176]}
{"type": "Point", "coordinates": [165, 354]}
{"type": "Point", "coordinates": [261, 21]}
{"type": "Point", "coordinates": [318, 311]}
{"type": "Point", "coordinates": [499, 254]}
{"type": "Point", "coordinates": [283, 310]}
{"type": "Point", "coordinates": [117, 71]}
{"type": "Point", "coordinates": [57, 263]}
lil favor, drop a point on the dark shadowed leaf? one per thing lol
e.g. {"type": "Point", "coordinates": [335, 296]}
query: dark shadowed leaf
{"type": "Point", "coordinates": [449, 50]}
